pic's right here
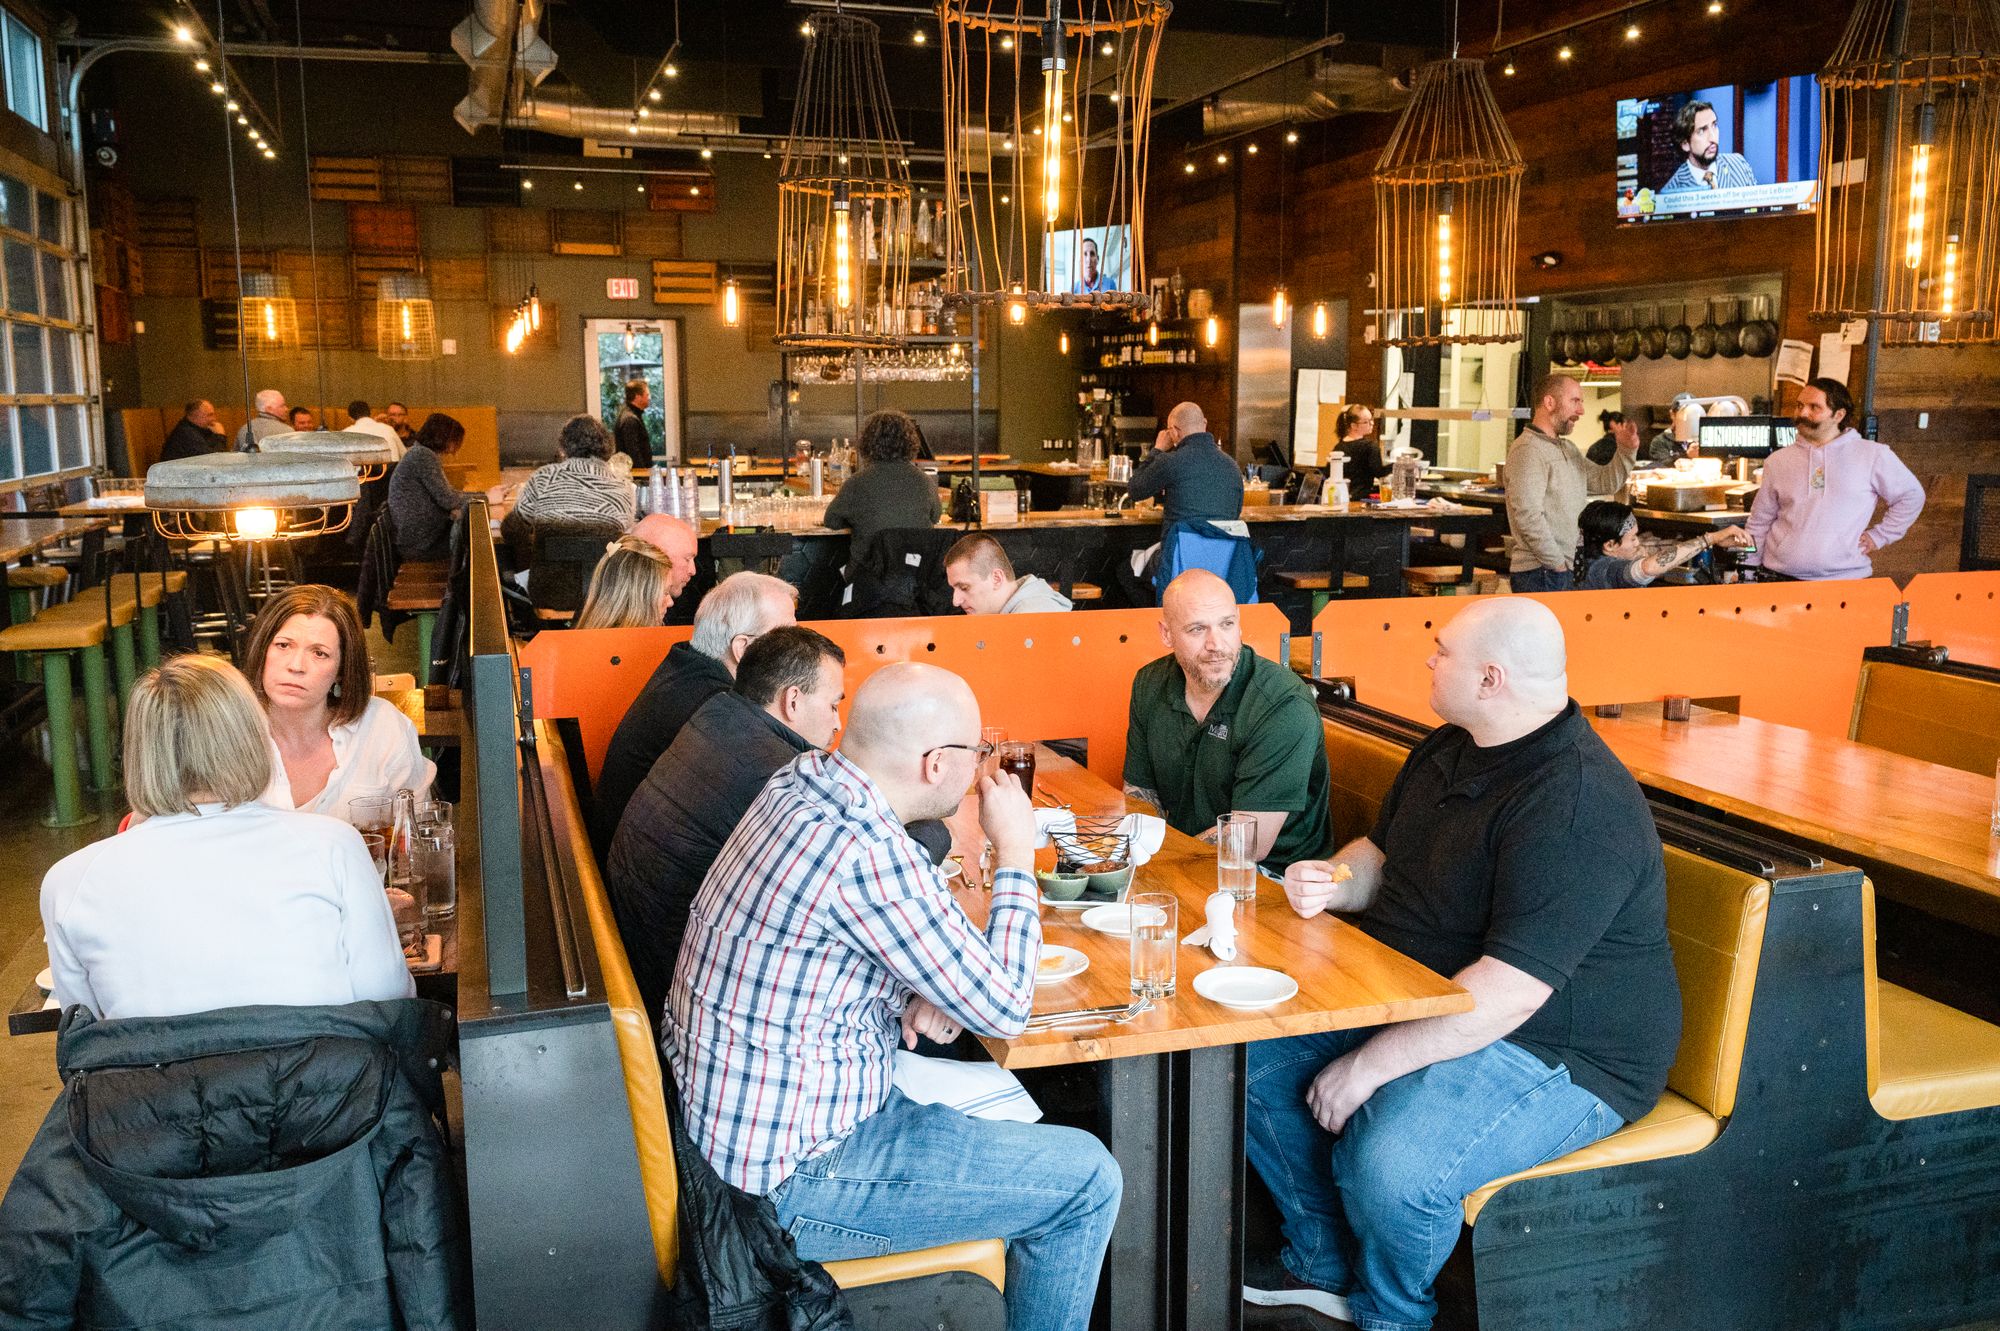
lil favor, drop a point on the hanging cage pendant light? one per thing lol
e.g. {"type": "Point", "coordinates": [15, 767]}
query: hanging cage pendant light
{"type": "Point", "coordinates": [1447, 211]}
{"type": "Point", "coordinates": [269, 316]}
{"type": "Point", "coordinates": [844, 219]}
{"type": "Point", "coordinates": [1047, 117]}
{"type": "Point", "coordinates": [1913, 243]}
{"type": "Point", "coordinates": [405, 319]}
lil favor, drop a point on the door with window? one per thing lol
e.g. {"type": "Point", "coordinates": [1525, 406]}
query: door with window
{"type": "Point", "coordinates": [618, 351]}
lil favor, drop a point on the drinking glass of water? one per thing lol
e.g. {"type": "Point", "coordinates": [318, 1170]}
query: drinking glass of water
{"type": "Point", "coordinates": [1155, 936]}
{"type": "Point", "coordinates": [1235, 871]}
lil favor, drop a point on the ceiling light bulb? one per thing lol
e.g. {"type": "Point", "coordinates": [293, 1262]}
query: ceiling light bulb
{"type": "Point", "coordinates": [1188, 167]}
{"type": "Point", "coordinates": [1631, 32]}
{"type": "Point", "coordinates": [1291, 136]}
{"type": "Point", "coordinates": [843, 250]}
{"type": "Point", "coordinates": [270, 156]}
{"type": "Point", "coordinates": [1564, 54]}
{"type": "Point", "coordinates": [632, 126]}
{"type": "Point", "coordinates": [217, 89]}
{"type": "Point", "coordinates": [1251, 149]}
{"type": "Point", "coordinates": [645, 113]}
{"type": "Point", "coordinates": [1006, 198]}
{"type": "Point", "coordinates": [182, 33]}
{"type": "Point", "coordinates": [242, 119]}
{"type": "Point", "coordinates": [695, 190]}
{"type": "Point", "coordinates": [1114, 99]}
{"type": "Point", "coordinates": [1714, 7]}
{"type": "Point", "coordinates": [732, 304]}
{"type": "Point", "coordinates": [653, 94]}
{"type": "Point", "coordinates": [1006, 43]}
{"type": "Point", "coordinates": [1062, 342]}
{"type": "Point", "coordinates": [1211, 331]}
{"type": "Point", "coordinates": [1508, 69]}
{"type": "Point", "coordinates": [641, 188]}
{"type": "Point", "coordinates": [708, 154]}
{"type": "Point", "coordinates": [576, 185]}
{"type": "Point", "coordinates": [1105, 49]}
{"type": "Point", "coordinates": [1279, 303]}
{"type": "Point", "coordinates": [230, 105]}
{"type": "Point", "coordinates": [1054, 117]}
{"type": "Point", "coordinates": [527, 184]}
{"type": "Point", "coordinates": [672, 71]}
{"type": "Point", "coordinates": [1007, 143]}
{"type": "Point", "coordinates": [1222, 159]}
{"type": "Point", "coordinates": [1319, 319]}
{"type": "Point", "coordinates": [201, 66]}
{"type": "Point", "coordinates": [918, 37]}
{"type": "Point", "coordinates": [805, 29]}
{"type": "Point", "coordinates": [257, 524]}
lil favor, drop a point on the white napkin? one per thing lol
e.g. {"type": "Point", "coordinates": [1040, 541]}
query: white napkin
{"type": "Point", "coordinates": [977, 1090]}
{"type": "Point", "coordinates": [1218, 935]}
{"type": "Point", "coordinates": [1051, 821]}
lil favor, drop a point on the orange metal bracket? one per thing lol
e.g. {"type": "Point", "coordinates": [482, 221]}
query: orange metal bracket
{"type": "Point", "coordinates": [1054, 676]}
{"type": "Point", "coordinates": [1790, 651]}
{"type": "Point", "coordinates": [1960, 611]}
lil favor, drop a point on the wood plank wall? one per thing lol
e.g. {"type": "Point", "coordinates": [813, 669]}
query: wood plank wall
{"type": "Point", "coordinates": [1220, 227]}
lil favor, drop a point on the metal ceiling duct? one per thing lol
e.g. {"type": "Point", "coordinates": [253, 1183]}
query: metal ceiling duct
{"type": "Point", "coordinates": [493, 30]}
{"type": "Point", "coordinates": [1336, 87]}
{"type": "Point", "coordinates": [564, 110]}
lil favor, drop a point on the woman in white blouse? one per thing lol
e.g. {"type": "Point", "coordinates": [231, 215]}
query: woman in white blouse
{"type": "Point", "coordinates": [332, 739]}
{"type": "Point", "coordinates": [215, 900]}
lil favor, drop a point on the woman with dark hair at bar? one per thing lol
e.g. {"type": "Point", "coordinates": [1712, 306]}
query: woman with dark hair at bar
{"type": "Point", "coordinates": [1355, 431]}
{"type": "Point", "coordinates": [422, 502]}
{"type": "Point", "coordinates": [890, 491]}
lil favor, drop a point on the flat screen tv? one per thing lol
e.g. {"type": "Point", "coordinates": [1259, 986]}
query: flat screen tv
{"type": "Point", "coordinates": [1093, 258]}
{"type": "Point", "coordinates": [1739, 150]}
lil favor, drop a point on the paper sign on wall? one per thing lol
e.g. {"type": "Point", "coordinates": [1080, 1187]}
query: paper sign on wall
{"type": "Point", "coordinates": [1794, 361]}
{"type": "Point", "coordinates": [1835, 357]}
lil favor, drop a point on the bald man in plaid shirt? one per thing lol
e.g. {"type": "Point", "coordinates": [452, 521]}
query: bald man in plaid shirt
{"type": "Point", "coordinates": [822, 935]}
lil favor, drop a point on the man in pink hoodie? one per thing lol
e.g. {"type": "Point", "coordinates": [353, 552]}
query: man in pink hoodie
{"type": "Point", "coordinates": [1815, 513]}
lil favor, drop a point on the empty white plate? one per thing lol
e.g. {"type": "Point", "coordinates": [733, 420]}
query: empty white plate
{"type": "Point", "coordinates": [1117, 920]}
{"type": "Point", "coordinates": [1060, 963]}
{"type": "Point", "coordinates": [1245, 986]}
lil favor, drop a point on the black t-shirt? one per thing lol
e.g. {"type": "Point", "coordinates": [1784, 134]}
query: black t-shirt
{"type": "Point", "coordinates": [1540, 853]}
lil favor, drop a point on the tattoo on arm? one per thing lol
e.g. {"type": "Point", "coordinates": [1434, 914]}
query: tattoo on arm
{"type": "Point", "coordinates": [1151, 797]}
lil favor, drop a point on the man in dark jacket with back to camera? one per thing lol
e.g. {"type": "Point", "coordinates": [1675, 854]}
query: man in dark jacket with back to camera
{"type": "Point", "coordinates": [635, 441]}
{"type": "Point", "coordinates": [786, 700]}
{"type": "Point", "coordinates": [736, 611]}
{"type": "Point", "coordinates": [1194, 480]}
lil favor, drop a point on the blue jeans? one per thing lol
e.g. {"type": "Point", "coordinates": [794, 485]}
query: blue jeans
{"type": "Point", "coordinates": [916, 1176]}
{"type": "Point", "coordinates": [1373, 1213]}
{"type": "Point", "coordinates": [1542, 580]}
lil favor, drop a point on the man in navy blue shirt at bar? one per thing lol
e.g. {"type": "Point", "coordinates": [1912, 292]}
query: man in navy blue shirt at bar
{"type": "Point", "coordinates": [1187, 471]}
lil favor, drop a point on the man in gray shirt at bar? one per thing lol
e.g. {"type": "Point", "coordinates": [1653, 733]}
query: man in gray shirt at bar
{"type": "Point", "coordinates": [1548, 483]}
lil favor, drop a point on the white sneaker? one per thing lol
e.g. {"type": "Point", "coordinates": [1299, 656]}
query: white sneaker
{"type": "Point", "coordinates": [1295, 1293]}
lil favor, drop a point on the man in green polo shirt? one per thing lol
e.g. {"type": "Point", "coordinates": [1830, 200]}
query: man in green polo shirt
{"type": "Point", "coordinates": [1216, 728]}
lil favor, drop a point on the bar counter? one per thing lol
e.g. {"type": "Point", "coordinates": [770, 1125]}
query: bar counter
{"type": "Point", "coordinates": [1088, 546]}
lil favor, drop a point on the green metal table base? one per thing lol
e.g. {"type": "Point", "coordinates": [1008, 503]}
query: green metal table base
{"type": "Point", "coordinates": [63, 757]}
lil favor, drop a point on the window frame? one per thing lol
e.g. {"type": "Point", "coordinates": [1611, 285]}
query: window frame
{"type": "Point", "coordinates": [73, 264]}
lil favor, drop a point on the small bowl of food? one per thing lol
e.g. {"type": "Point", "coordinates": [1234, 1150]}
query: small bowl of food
{"type": "Point", "coordinates": [1108, 879]}
{"type": "Point", "coordinates": [1060, 885]}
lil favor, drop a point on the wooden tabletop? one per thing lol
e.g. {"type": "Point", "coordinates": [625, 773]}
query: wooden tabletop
{"type": "Point", "coordinates": [1852, 798]}
{"type": "Point", "coordinates": [102, 504]}
{"type": "Point", "coordinates": [442, 725]}
{"type": "Point", "coordinates": [1346, 979]}
{"type": "Point", "coordinates": [22, 537]}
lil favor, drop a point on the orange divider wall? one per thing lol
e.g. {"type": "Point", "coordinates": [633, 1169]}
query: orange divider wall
{"type": "Point", "coordinates": [1053, 676]}
{"type": "Point", "coordinates": [1790, 650]}
{"type": "Point", "coordinates": [1960, 611]}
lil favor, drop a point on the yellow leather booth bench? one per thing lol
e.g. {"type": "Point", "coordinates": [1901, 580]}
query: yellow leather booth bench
{"type": "Point", "coordinates": [1944, 716]}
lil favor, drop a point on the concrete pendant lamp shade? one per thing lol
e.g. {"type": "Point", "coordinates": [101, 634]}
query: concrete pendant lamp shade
{"type": "Point", "coordinates": [251, 495]}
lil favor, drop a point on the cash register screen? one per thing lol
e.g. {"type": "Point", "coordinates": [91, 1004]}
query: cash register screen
{"type": "Point", "coordinates": [1740, 436]}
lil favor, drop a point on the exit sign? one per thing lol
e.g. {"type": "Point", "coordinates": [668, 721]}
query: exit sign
{"type": "Point", "coordinates": [621, 288]}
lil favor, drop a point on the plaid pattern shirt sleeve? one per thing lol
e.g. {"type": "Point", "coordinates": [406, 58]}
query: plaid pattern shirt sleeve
{"type": "Point", "coordinates": [818, 920]}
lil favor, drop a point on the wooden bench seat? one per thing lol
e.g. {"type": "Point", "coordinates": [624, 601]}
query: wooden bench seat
{"type": "Point", "coordinates": [1320, 582]}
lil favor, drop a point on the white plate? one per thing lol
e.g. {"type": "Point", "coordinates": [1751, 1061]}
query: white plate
{"type": "Point", "coordinates": [46, 980]}
{"type": "Point", "coordinates": [1245, 986]}
{"type": "Point", "coordinates": [1117, 920]}
{"type": "Point", "coordinates": [1060, 963]}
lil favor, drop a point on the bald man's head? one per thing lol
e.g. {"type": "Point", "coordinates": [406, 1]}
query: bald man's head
{"type": "Point", "coordinates": [679, 541]}
{"type": "Point", "coordinates": [903, 718]}
{"type": "Point", "coordinates": [1501, 656]}
{"type": "Point", "coordinates": [1201, 625]}
{"type": "Point", "coordinates": [1187, 418]}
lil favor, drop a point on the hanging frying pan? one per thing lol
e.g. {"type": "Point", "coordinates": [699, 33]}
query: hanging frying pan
{"type": "Point", "coordinates": [1729, 336]}
{"type": "Point", "coordinates": [1760, 335]}
{"type": "Point", "coordinates": [1680, 338]}
{"type": "Point", "coordinates": [1601, 340]}
{"type": "Point", "coordinates": [1705, 331]}
{"type": "Point", "coordinates": [1653, 335]}
{"type": "Point", "coordinates": [1626, 343]}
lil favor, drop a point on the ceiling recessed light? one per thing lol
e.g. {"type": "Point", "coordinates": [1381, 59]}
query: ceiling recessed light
{"type": "Point", "coordinates": [1564, 54]}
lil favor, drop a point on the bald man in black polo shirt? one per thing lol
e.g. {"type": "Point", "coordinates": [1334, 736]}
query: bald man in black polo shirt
{"type": "Point", "coordinates": [1517, 855]}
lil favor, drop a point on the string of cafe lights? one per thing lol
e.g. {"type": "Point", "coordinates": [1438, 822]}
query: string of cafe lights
{"type": "Point", "coordinates": [213, 68]}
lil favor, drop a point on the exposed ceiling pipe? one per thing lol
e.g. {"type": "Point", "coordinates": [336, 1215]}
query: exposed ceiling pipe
{"type": "Point", "coordinates": [564, 111]}
{"type": "Point", "coordinates": [499, 40]}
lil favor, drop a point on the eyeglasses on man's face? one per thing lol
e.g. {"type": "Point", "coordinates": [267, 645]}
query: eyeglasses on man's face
{"type": "Point", "coordinates": [980, 752]}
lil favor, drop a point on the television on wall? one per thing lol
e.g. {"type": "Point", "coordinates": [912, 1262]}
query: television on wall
{"type": "Point", "coordinates": [1092, 258]}
{"type": "Point", "coordinates": [1739, 150]}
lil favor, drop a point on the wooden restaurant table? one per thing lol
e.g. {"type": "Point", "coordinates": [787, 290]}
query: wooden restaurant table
{"type": "Point", "coordinates": [1172, 1083]}
{"type": "Point", "coordinates": [1892, 815]}
{"type": "Point", "coordinates": [22, 537]}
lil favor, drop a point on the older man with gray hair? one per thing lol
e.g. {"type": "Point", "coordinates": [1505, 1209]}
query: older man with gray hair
{"type": "Point", "coordinates": [273, 417]}
{"type": "Point", "coordinates": [735, 613]}
{"type": "Point", "coordinates": [822, 937]}
{"type": "Point", "coordinates": [1517, 855]}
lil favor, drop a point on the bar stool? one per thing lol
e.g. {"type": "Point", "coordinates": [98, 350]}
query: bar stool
{"type": "Point", "coordinates": [31, 586]}
{"type": "Point", "coordinates": [90, 606]}
{"type": "Point", "coordinates": [49, 641]}
{"type": "Point", "coordinates": [151, 589]}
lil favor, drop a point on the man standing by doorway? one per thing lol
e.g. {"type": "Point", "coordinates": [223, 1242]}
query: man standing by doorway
{"type": "Point", "coordinates": [634, 441]}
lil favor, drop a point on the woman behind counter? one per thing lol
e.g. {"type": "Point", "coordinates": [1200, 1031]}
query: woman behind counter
{"type": "Point", "coordinates": [332, 739]}
{"type": "Point", "coordinates": [1355, 427]}
{"type": "Point", "coordinates": [1610, 556]}
{"type": "Point", "coordinates": [216, 899]}
{"type": "Point", "coordinates": [890, 491]}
